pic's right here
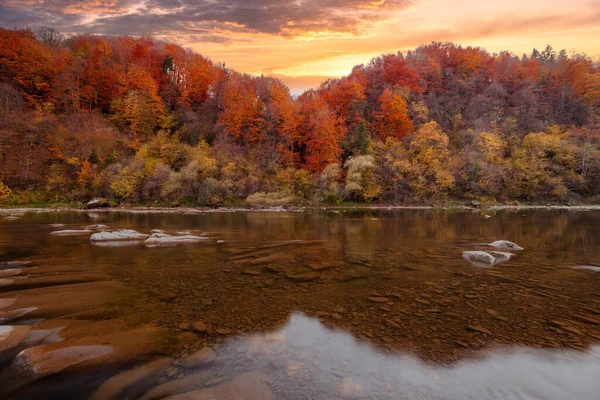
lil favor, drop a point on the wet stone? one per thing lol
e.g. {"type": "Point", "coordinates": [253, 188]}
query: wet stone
{"type": "Point", "coordinates": [199, 327]}
{"type": "Point", "coordinates": [201, 358]}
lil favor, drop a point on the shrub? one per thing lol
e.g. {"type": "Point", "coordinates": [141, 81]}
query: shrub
{"type": "Point", "coordinates": [275, 199]}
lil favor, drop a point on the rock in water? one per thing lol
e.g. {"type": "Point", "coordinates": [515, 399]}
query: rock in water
{"type": "Point", "coordinates": [248, 386]}
{"type": "Point", "coordinates": [199, 327]}
{"type": "Point", "coordinates": [302, 276]}
{"type": "Point", "coordinates": [162, 239]}
{"type": "Point", "coordinates": [201, 358]}
{"type": "Point", "coordinates": [479, 257]}
{"type": "Point", "coordinates": [116, 236]}
{"type": "Point", "coordinates": [37, 362]}
{"type": "Point", "coordinates": [501, 256]}
{"type": "Point", "coordinates": [10, 339]}
{"type": "Point", "coordinates": [132, 383]}
{"type": "Point", "coordinates": [505, 244]}
{"type": "Point", "coordinates": [69, 232]}
{"type": "Point", "coordinates": [183, 385]}
{"type": "Point", "coordinates": [97, 203]}
{"type": "Point", "coordinates": [589, 268]}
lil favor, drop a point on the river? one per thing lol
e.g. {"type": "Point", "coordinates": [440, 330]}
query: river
{"type": "Point", "coordinates": [327, 304]}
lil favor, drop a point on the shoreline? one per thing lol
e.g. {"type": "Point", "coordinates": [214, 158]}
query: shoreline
{"type": "Point", "coordinates": [206, 210]}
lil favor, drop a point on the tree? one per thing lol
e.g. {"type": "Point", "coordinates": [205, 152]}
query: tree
{"type": "Point", "coordinates": [393, 119]}
{"type": "Point", "coordinates": [430, 153]}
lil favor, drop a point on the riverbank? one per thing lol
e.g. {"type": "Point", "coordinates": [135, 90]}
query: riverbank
{"type": "Point", "coordinates": [206, 210]}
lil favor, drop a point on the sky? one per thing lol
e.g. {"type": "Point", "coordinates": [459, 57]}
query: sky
{"type": "Point", "coordinates": [304, 42]}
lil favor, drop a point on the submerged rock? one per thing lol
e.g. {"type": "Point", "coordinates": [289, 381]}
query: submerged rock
{"type": "Point", "coordinates": [116, 236]}
{"type": "Point", "coordinates": [353, 274]}
{"type": "Point", "coordinates": [200, 358]}
{"type": "Point", "coordinates": [70, 232]}
{"type": "Point", "coordinates": [183, 385]}
{"type": "Point", "coordinates": [132, 383]}
{"type": "Point", "coordinates": [162, 239]}
{"type": "Point", "coordinates": [302, 276]}
{"type": "Point", "coordinates": [479, 257]}
{"type": "Point", "coordinates": [248, 386]}
{"type": "Point", "coordinates": [38, 362]}
{"type": "Point", "coordinates": [199, 327]}
{"type": "Point", "coordinates": [588, 268]}
{"type": "Point", "coordinates": [501, 256]}
{"type": "Point", "coordinates": [11, 337]}
{"type": "Point", "coordinates": [505, 244]}
{"type": "Point", "coordinates": [96, 227]}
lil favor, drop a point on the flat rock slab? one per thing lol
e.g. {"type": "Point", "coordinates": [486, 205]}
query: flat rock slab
{"type": "Point", "coordinates": [120, 235]}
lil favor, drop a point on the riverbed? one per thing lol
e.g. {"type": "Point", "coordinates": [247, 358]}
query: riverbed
{"type": "Point", "coordinates": [314, 304]}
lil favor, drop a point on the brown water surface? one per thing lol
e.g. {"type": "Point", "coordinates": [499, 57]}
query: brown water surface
{"type": "Point", "coordinates": [302, 305]}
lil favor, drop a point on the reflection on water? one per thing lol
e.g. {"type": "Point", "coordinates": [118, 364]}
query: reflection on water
{"type": "Point", "coordinates": [315, 305]}
{"type": "Point", "coordinates": [305, 359]}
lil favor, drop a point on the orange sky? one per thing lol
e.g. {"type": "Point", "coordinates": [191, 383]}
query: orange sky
{"type": "Point", "coordinates": [306, 41]}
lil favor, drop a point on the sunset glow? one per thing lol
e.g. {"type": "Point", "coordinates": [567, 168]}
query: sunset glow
{"type": "Point", "coordinates": [307, 41]}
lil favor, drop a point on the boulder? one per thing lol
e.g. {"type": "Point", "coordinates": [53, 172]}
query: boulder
{"type": "Point", "coordinates": [479, 257]}
{"type": "Point", "coordinates": [475, 204]}
{"type": "Point", "coordinates": [155, 231]}
{"type": "Point", "coordinates": [199, 359]}
{"type": "Point", "coordinates": [116, 236]}
{"type": "Point", "coordinates": [132, 383]}
{"type": "Point", "coordinates": [97, 203]}
{"type": "Point", "coordinates": [505, 244]}
{"type": "Point", "coordinates": [162, 239]}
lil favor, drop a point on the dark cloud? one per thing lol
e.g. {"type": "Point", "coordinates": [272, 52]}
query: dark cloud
{"type": "Point", "coordinates": [204, 19]}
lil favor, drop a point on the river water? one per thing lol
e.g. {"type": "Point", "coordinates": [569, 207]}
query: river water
{"type": "Point", "coordinates": [375, 304]}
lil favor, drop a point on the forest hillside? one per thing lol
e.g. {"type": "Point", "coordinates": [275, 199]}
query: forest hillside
{"type": "Point", "coordinates": [141, 121]}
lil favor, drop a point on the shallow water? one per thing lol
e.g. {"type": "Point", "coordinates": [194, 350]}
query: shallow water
{"type": "Point", "coordinates": [314, 305]}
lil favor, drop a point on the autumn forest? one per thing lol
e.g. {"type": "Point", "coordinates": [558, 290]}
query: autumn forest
{"type": "Point", "coordinates": [141, 121]}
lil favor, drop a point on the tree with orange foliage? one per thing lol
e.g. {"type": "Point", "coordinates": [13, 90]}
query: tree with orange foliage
{"type": "Point", "coordinates": [397, 73]}
{"type": "Point", "coordinates": [393, 119]}
{"type": "Point", "coordinates": [26, 63]}
{"type": "Point", "coordinates": [242, 115]}
{"type": "Point", "coordinates": [323, 132]}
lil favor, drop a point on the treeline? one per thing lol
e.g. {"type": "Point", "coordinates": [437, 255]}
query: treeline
{"type": "Point", "coordinates": [143, 121]}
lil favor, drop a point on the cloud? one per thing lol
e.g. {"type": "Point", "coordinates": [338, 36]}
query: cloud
{"type": "Point", "coordinates": [202, 18]}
